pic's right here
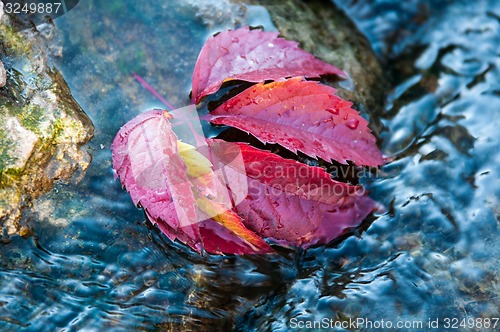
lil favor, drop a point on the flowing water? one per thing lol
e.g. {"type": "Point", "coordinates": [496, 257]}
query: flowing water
{"type": "Point", "coordinates": [95, 264]}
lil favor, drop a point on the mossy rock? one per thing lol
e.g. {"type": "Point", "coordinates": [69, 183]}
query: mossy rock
{"type": "Point", "coordinates": [43, 130]}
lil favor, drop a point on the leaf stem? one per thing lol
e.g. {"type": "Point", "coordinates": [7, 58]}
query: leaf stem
{"type": "Point", "coordinates": [153, 91]}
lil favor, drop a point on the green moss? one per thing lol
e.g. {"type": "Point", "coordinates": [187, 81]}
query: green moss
{"type": "Point", "coordinates": [7, 175]}
{"type": "Point", "coordinates": [31, 117]}
{"type": "Point", "coordinates": [58, 128]}
{"type": "Point", "coordinates": [10, 176]}
{"type": "Point", "coordinates": [5, 145]}
{"type": "Point", "coordinates": [14, 43]}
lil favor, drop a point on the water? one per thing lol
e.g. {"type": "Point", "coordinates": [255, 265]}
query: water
{"type": "Point", "coordinates": [95, 264]}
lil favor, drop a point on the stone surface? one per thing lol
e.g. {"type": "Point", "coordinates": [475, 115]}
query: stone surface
{"type": "Point", "coordinates": [42, 129]}
{"type": "Point", "coordinates": [3, 75]}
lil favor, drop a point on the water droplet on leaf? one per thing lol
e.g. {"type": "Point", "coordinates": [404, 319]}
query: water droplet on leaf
{"type": "Point", "coordinates": [333, 110]}
{"type": "Point", "coordinates": [352, 124]}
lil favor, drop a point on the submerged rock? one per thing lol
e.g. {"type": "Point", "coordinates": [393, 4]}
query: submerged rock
{"type": "Point", "coordinates": [42, 128]}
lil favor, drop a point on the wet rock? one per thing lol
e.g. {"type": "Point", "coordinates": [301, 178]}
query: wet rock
{"type": "Point", "coordinates": [42, 128]}
{"type": "Point", "coordinates": [3, 76]}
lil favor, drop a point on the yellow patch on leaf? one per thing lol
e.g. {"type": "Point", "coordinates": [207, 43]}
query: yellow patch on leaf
{"type": "Point", "coordinates": [212, 197]}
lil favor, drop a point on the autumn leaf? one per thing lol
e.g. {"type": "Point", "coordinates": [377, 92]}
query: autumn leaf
{"type": "Point", "coordinates": [292, 203]}
{"type": "Point", "coordinates": [302, 116]}
{"type": "Point", "coordinates": [177, 188]}
{"type": "Point", "coordinates": [253, 56]}
{"type": "Point", "coordinates": [147, 161]}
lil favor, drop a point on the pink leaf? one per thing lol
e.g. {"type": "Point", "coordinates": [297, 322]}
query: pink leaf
{"type": "Point", "coordinates": [302, 116]}
{"type": "Point", "coordinates": [253, 56]}
{"type": "Point", "coordinates": [293, 203]}
{"type": "Point", "coordinates": [147, 160]}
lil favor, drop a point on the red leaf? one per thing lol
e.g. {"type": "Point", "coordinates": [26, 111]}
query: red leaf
{"type": "Point", "coordinates": [293, 203]}
{"type": "Point", "coordinates": [253, 56]}
{"type": "Point", "coordinates": [302, 116]}
{"type": "Point", "coordinates": [149, 164]}
{"type": "Point", "coordinates": [146, 159]}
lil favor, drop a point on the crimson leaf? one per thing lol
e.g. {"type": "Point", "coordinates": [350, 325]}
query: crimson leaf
{"type": "Point", "coordinates": [253, 56]}
{"type": "Point", "coordinates": [293, 203]}
{"type": "Point", "coordinates": [172, 186]}
{"type": "Point", "coordinates": [302, 116]}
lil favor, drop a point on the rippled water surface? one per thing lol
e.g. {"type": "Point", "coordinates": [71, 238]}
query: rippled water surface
{"type": "Point", "coordinates": [95, 264]}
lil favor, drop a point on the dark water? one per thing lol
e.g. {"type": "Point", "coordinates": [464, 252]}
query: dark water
{"type": "Point", "coordinates": [95, 264]}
